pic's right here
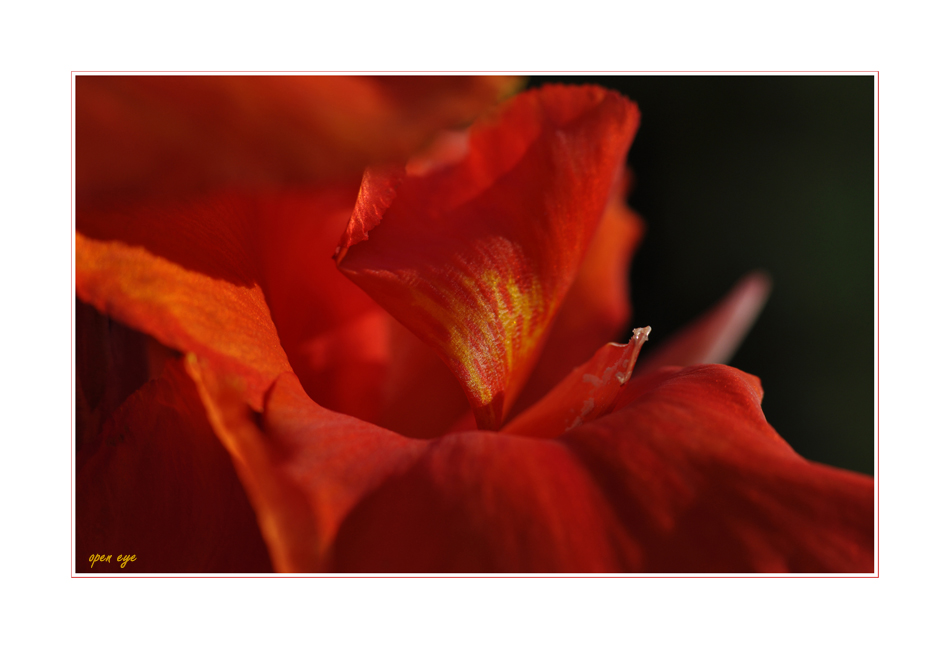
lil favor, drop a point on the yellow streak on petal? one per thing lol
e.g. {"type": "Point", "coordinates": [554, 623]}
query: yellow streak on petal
{"type": "Point", "coordinates": [492, 323]}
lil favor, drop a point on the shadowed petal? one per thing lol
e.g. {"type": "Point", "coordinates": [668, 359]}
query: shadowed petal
{"type": "Point", "coordinates": [483, 502]}
{"type": "Point", "coordinates": [112, 362]}
{"type": "Point", "coordinates": [158, 484]}
{"type": "Point", "coordinates": [176, 136]}
{"type": "Point", "coordinates": [350, 355]}
{"type": "Point", "coordinates": [476, 257]}
{"type": "Point", "coordinates": [335, 336]}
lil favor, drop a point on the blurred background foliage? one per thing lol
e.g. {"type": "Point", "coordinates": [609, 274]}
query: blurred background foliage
{"type": "Point", "coordinates": [734, 173]}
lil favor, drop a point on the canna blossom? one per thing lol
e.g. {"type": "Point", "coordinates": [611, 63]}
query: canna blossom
{"type": "Point", "coordinates": [318, 332]}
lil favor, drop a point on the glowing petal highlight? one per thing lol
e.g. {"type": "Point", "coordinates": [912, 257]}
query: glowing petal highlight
{"type": "Point", "coordinates": [476, 257]}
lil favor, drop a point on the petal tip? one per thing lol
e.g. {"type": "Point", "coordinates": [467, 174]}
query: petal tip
{"type": "Point", "coordinates": [632, 351]}
{"type": "Point", "coordinates": [377, 192]}
{"type": "Point", "coordinates": [641, 334]}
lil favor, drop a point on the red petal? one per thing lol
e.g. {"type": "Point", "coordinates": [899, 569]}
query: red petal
{"type": "Point", "coordinates": [158, 136]}
{"type": "Point", "coordinates": [311, 470]}
{"type": "Point", "coordinates": [421, 398]}
{"type": "Point", "coordinates": [158, 484]}
{"type": "Point", "coordinates": [597, 308]}
{"type": "Point", "coordinates": [585, 394]}
{"type": "Point", "coordinates": [702, 483]}
{"type": "Point", "coordinates": [475, 258]}
{"type": "Point", "coordinates": [482, 502]}
{"type": "Point", "coordinates": [689, 478]}
{"type": "Point", "coordinates": [349, 354]}
{"type": "Point", "coordinates": [714, 337]}
{"type": "Point", "coordinates": [335, 336]}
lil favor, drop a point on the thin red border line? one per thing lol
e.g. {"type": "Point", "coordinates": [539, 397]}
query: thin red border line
{"type": "Point", "coordinates": [479, 576]}
{"type": "Point", "coordinates": [877, 472]}
{"type": "Point", "coordinates": [479, 72]}
{"type": "Point", "coordinates": [74, 574]}
{"type": "Point", "coordinates": [72, 320]}
{"type": "Point", "coordinates": [73, 74]}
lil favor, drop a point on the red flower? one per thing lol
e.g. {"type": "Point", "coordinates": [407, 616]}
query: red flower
{"type": "Point", "coordinates": [315, 422]}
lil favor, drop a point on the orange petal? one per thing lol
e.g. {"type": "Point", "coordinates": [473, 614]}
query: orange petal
{"type": "Point", "coordinates": [476, 257]}
{"type": "Point", "coordinates": [308, 467]}
{"type": "Point", "coordinates": [714, 337]}
{"type": "Point", "coordinates": [588, 392]}
{"type": "Point", "coordinates": [164, 136]}
{"type": "Point", "coordinates": [158, 484]}
{"type": "Point", "coordinates": [188, 273]}
{"type": "Point", "coordinates": [219, 312]}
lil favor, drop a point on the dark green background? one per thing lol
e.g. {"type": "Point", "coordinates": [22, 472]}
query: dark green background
{"type": "Point", "coordinates": [777, 173]}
